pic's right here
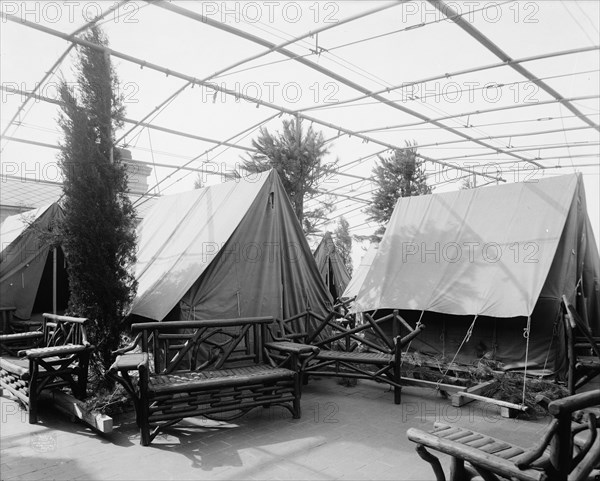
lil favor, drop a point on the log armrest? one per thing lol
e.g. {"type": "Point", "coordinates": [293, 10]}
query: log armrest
{"type": "Point", "coordinates": [119, 372]}
{"type": "Point", "coordinates": [403, 341]}
{"type": "Point", "coordinates": [130, 362]}
{"type": "Point", "coordinates": [296, 356]}
{"type": "Point", "coordinates": [42, 352]}
{"type": "Point", "coordinates": [129, 347]}
{"type": "Point", "coordinates": [293, 347]}
{"type": "Point", "coordinates": [20, 336]}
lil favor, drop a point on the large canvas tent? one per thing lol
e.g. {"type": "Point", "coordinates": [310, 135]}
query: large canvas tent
{"type": "Point", "coordinates": [358, 277]}
{"type": "Point", "coordinates": [331, 266]}
{"type": "Point", "coordinates": [33, 276]}
{"type": "Point", "coordinates": [226, 251]}
{"type": "Point", "coordinates": [479, 266]}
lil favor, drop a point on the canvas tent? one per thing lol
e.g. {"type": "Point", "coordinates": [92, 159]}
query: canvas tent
{"type": "Point", "coordinates": [331, 266]}
{"type": "Point", "coordinates": [226, 251]}
{"type": "Point", "coordinates": [479, 266]}
{"type": "Point", "coordinates": [33, 277]}
{"type": "Point", "coordinates": [361, 272]}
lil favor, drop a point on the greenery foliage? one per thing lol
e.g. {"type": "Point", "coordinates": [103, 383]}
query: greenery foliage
{"type": "Point", "coordinates": [297, 155]}
{"type": "Point", "coordinates": [398, 175]}
{"type": "Point", "coordinates": [343, 243]}
{"type": "Point", "coordinates": [98, 231]}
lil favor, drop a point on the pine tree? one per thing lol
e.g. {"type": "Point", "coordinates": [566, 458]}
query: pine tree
{"type": "Point", "coordinates": [343, 243]}
{"type": "Point", "coordinates": [398, 175]}
{"type": "Point", "coordinates": [297, 156]}
{"type": "Point", "coordinates": [98, 231]}
{"type": "Point", "coordinates": [468, 183]}
{"type": "Point", "coordinates": [198, 181]}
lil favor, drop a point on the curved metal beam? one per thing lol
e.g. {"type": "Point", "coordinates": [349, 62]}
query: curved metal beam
{"type": "Point", "coordinates": [233, 93]}
{"type": "Point", "coordinates": [498, 52]}
{"type": "Point", "coordinates": [325, 71]}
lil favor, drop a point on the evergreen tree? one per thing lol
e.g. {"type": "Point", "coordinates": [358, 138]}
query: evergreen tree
{"type": "Point", "coordinates": [297, 156]}
{"type": "Point", "coordinates": [198, 181]}
{"type": "Point", "coordinates": [343, 243]}
{"type": "Point", "coordinates": [468, 183]}
{"type": "Point", "coordinates": [398, 175]}
{"type": "Point", "coordinates": [98, 231]}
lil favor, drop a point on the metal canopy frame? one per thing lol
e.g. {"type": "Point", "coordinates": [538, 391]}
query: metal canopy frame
{"type": "Point", "coordinates": [349, 198]}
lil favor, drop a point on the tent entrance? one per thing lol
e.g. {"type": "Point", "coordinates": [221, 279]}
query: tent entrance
{"type": "Point", "coordinates": [44, 299]}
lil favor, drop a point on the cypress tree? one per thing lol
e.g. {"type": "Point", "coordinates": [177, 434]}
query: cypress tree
{"type": "Point", "coordinates": [98, 231]}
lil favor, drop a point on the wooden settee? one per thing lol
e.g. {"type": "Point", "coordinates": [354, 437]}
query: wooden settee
{"type": "Point", "coordinates": [207, 367]}
{"type": "Point", "coordinates": [348, 350]}
{"type": "Point", "coordinates": [55, 356]}
{"type": "Point", "coordinates": [569, 448]}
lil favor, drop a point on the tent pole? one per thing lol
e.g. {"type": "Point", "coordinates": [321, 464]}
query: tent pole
{"type": "Point", "coordinates": [584, 313]}
{"type": "Point", "coordinates": [54, 275]}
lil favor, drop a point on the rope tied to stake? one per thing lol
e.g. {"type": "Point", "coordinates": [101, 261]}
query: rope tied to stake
{"type": "Point", "coordinates": [466, 339]}
{"type": "Point", "coordinates": [526, 332]}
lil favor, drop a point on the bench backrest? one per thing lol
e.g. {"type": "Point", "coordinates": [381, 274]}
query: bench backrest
{"type": "Point", "coordinates": [206, 344]}
{"type": "Point", "coordinates": [62, 330]}
{"type": "Point", "coordinates": [340, 332]}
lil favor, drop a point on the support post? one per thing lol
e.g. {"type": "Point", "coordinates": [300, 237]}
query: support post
{"type": "Point", "coordinates": [54, 280]}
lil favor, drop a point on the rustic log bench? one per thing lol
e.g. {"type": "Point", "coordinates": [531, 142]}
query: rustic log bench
{"type": "Point", "coordinates": [206, 367]}
{"type": "Point", "coordinates": [583, 352]}
{"type": "Point", "coordinates": [346, 350]}
{"type": "Point", "coordinates": [55, 356]}
{"type": "Point", "coordinates": [569, 449]}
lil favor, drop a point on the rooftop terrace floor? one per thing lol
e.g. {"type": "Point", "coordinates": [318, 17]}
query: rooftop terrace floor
{"type": "Point", "coordinates": [344, 433]}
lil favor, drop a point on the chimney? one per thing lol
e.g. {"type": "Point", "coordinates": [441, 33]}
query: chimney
{"type": "Point", "coordinates": [137, 173]}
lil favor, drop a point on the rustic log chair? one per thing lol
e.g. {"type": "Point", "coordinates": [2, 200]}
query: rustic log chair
{"type": "Point", "coordinates": [347, 350]}
{"type": "Point", "coordinates": [569, 449]}
{"type": "Point", "coordinates": [583, 352]}
{"type": "Point", "coordinates": [55, 356]}
{"type": "Point", "coordinates": [206, 367]}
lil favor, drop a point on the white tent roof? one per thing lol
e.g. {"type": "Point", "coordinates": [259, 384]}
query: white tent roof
{"type": "Point", "coordinates": [487, 90]}
{"type": "Point", "coordinates": [180, 237]}
{"type": "Point", "coordinates": [14, 225]}
{"type": "Point", "coordinates": [358, 277]}
{"type": "Point", "coordinates": [475, 251]}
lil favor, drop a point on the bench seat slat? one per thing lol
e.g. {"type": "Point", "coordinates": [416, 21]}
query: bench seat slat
{"type": "Point", "coordinates": [207, 379]}
{"type": "Point", "coordinates": [460, 435]}
{"type": "Point", "coordinates": [439, 429]}
{"type": "Point", "coordinates": [481, 442]}
{"type": "Point", "coordinates": [363, 357]}
{"type": "Point", "coordinates": [495, 447]}
{"type": "Point", "coordinates": [512, 452]}
{"type": "Point", "coordinates": [449, 432]}
{"type": "Point", "coordinates": [16, 365]}
{"type": "Point", "coordinates": [470, 438]}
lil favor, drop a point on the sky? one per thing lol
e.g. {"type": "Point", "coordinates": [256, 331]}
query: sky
{"type": "Point", "coordinates": [403, 43]}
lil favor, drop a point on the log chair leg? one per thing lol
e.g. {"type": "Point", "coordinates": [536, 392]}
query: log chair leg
{"type": "Point", "coordinates": [297, 392]}
{"type": "Point", "coordinates": [397, 371]}
{"type": "Point", "coordinates": [487, 475]}
{"type": "Point", "coordinates": [33, 394]}
{"type": "Point", "coordinates": [144, 424]}
{"type": "Point", "coordinates": [397, 394]}
{"type": "Point", "coordinates": [457, 470]}
{"type": "Point", "coordinates": [144, 413]}
{"type": "Point", "coordinates": [433, 461]}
